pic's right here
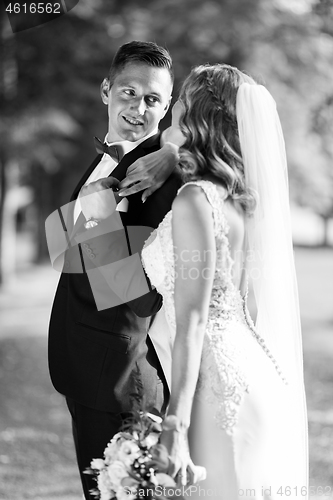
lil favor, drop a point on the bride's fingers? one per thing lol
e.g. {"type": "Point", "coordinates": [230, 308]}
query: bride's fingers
{"type": "Point", "coordinates": [183, 472]}
{"type": "Point", "coordinates": [181, 475]}
{"type": "Point", "coordinates": [196, 473]}
{"type": "Point", "coordinates": [190, 471]}
{"type": "Point", "coordinates": [201, 473]}
{"type": "Point", "coordinates": [174, 468]}
{"type": "Point", "coordinates": [190, 475]}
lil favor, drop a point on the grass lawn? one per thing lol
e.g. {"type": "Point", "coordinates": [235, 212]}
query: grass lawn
{"type": "Point", "coordinates": [315, 278]}
{"type": "Point", "coordinates": [37, 459]}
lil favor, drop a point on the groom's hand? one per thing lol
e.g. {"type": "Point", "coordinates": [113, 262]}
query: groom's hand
{"type": "Point", "coordinates": [98, 200]}
{"type": "Point", "coordinates": [150, 172]}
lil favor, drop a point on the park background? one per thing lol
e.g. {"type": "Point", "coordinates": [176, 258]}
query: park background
{"type": "Point", "coordinates": [50, 110]}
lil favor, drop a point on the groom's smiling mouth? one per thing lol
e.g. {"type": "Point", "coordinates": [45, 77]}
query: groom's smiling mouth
{"type": "Point", "coordinates": [133, 121]}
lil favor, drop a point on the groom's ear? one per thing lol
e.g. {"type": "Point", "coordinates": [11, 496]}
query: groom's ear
{"type": "Point", "coordinates": [105, 89]}
{"type": "Point", "coordinates": [167, 106]}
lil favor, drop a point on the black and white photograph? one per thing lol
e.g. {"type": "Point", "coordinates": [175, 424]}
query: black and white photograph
{"type": "Point", "coordinates": [166, 250]}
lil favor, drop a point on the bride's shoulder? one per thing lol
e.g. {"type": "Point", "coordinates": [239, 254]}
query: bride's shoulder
{"type": "Point", "coordinates": [192, 192]}
{"type": "Point", "coordinates": [231, 209]}
{"type": "Point", "coordinates": [192, 202]}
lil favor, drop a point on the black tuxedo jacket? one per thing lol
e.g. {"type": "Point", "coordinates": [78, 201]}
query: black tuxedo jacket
{"type": "Point", "coordinates": [100, 358]}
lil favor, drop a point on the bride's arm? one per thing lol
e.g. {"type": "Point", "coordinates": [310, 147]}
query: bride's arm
{"type": "Point", "coordinates": [195, 255]}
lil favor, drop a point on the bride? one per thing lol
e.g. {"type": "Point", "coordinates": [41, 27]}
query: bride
{"type": "Point", "coordinates": [237, 404]}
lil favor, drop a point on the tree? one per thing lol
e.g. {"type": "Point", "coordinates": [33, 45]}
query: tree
{"type": "Point", "coordinates": [323, 127]}
{"type": "Point", "coordinates": [49, 106]}
{"type": "Point", "coordinates": [50, 77]}
{"type": "Point", "coordinates": [295, 57]}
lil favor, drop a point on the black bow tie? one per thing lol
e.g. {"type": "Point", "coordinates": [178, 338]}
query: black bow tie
{"type": "Point", "coordinates": [116, 152]}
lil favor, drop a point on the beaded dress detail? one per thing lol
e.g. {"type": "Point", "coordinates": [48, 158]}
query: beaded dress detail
{"type": "Point", "coordinates": [225, 372]}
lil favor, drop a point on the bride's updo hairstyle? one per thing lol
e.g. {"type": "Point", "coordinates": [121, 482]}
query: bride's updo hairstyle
{"type": "Point", "coordinates": [209, 125]}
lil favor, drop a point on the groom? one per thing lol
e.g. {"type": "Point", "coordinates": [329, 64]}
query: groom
{"type": "Point", "coordinates": [100, 359]}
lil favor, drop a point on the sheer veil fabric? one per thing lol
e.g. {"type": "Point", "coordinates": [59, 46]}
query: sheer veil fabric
{"type": "Point", "coordinates": [270, 258]}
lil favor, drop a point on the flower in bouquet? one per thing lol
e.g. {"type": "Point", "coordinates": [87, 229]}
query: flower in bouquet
{"type": "Point", "coordinates": [128, 452]}
{"type": "Point", "coordinates": [134, 462]}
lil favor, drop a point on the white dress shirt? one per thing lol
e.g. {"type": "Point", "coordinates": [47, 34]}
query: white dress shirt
{"type": "Point", "coordinates": [106, 166]}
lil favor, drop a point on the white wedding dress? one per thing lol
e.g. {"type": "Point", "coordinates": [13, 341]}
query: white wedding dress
{"type": "Point", "coordinates": [240, 424]}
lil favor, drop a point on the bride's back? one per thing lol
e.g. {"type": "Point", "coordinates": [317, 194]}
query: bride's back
{"type": "Point", "coordinates": [235, 216]}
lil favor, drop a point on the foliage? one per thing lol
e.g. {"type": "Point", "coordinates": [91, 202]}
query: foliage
{"type": "Point", "coordinates": [50, 77]}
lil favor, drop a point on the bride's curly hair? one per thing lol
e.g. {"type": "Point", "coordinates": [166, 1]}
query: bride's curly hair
{"type": "Point", "coordinates": [209, 124]}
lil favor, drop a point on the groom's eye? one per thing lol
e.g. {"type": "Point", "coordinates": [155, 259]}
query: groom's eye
{"type": "Point", "coordinates": [129, 92]}
{"type": "Point", "coordinates": [152, 99]}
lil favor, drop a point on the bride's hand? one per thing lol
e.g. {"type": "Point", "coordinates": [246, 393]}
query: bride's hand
{"type": "Point", "coordinates": [181, 467]}
{"type": "Point", "coordinates": [195, 473]}
{"type": "Point", "coordinates": [176, 443]}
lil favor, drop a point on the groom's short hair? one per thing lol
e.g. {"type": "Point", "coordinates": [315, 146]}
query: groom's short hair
{"type": "Point", "coordinates": [140, 52]}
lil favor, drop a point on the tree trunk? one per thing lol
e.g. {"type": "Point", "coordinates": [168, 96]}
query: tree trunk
{"type": "Point", "coordinates": [325, 236]}
{"type": "Point", "coordinates": [42, 195]}
{"type": "Point", "coordinates": [8, 91]}
{"type": "Point", "coordinates": [2, 199]}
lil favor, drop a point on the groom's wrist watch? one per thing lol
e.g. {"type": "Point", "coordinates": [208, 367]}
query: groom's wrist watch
{"type": "Point", "coordinates": [91, 222]}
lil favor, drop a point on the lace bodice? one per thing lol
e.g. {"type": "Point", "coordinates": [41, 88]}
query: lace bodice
{"type": "Point", "coordinates": [158, 258]}
{"type": "Point", "coordinates": [224, 372]}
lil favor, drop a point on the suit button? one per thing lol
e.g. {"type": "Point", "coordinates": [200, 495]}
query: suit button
{"type": "Point", "coordinates": [67, 264]}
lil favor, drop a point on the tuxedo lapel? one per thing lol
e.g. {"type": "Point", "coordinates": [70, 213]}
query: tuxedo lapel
{"type": "Point", "coordinates": [85, 177]}
{"type": "Point", "coordinates": [163, 338]}
{"type": "Point", "coordinates": [70, 214]}
{"type": "Point", "coordinates": [144, 148]}
{"type": "Point", "coordinates": [152, 142]}
{"type": "Point", "coordinates": [119, 173]}
{"type": "Point", "coordinates": [79, 223]}
{"type": "Point", "coordinates": [134, 201]}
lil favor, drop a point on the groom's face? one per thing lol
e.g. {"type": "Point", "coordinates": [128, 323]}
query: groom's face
{"type": "Point", "coordinates": [138, 99]}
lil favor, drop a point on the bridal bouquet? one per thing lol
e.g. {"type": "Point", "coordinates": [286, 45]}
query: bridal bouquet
{"type": "Point", "coordinates": [134, 463]}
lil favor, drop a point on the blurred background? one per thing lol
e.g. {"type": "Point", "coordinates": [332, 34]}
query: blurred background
{"type": "Point", "coordinates": [50, 109]}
